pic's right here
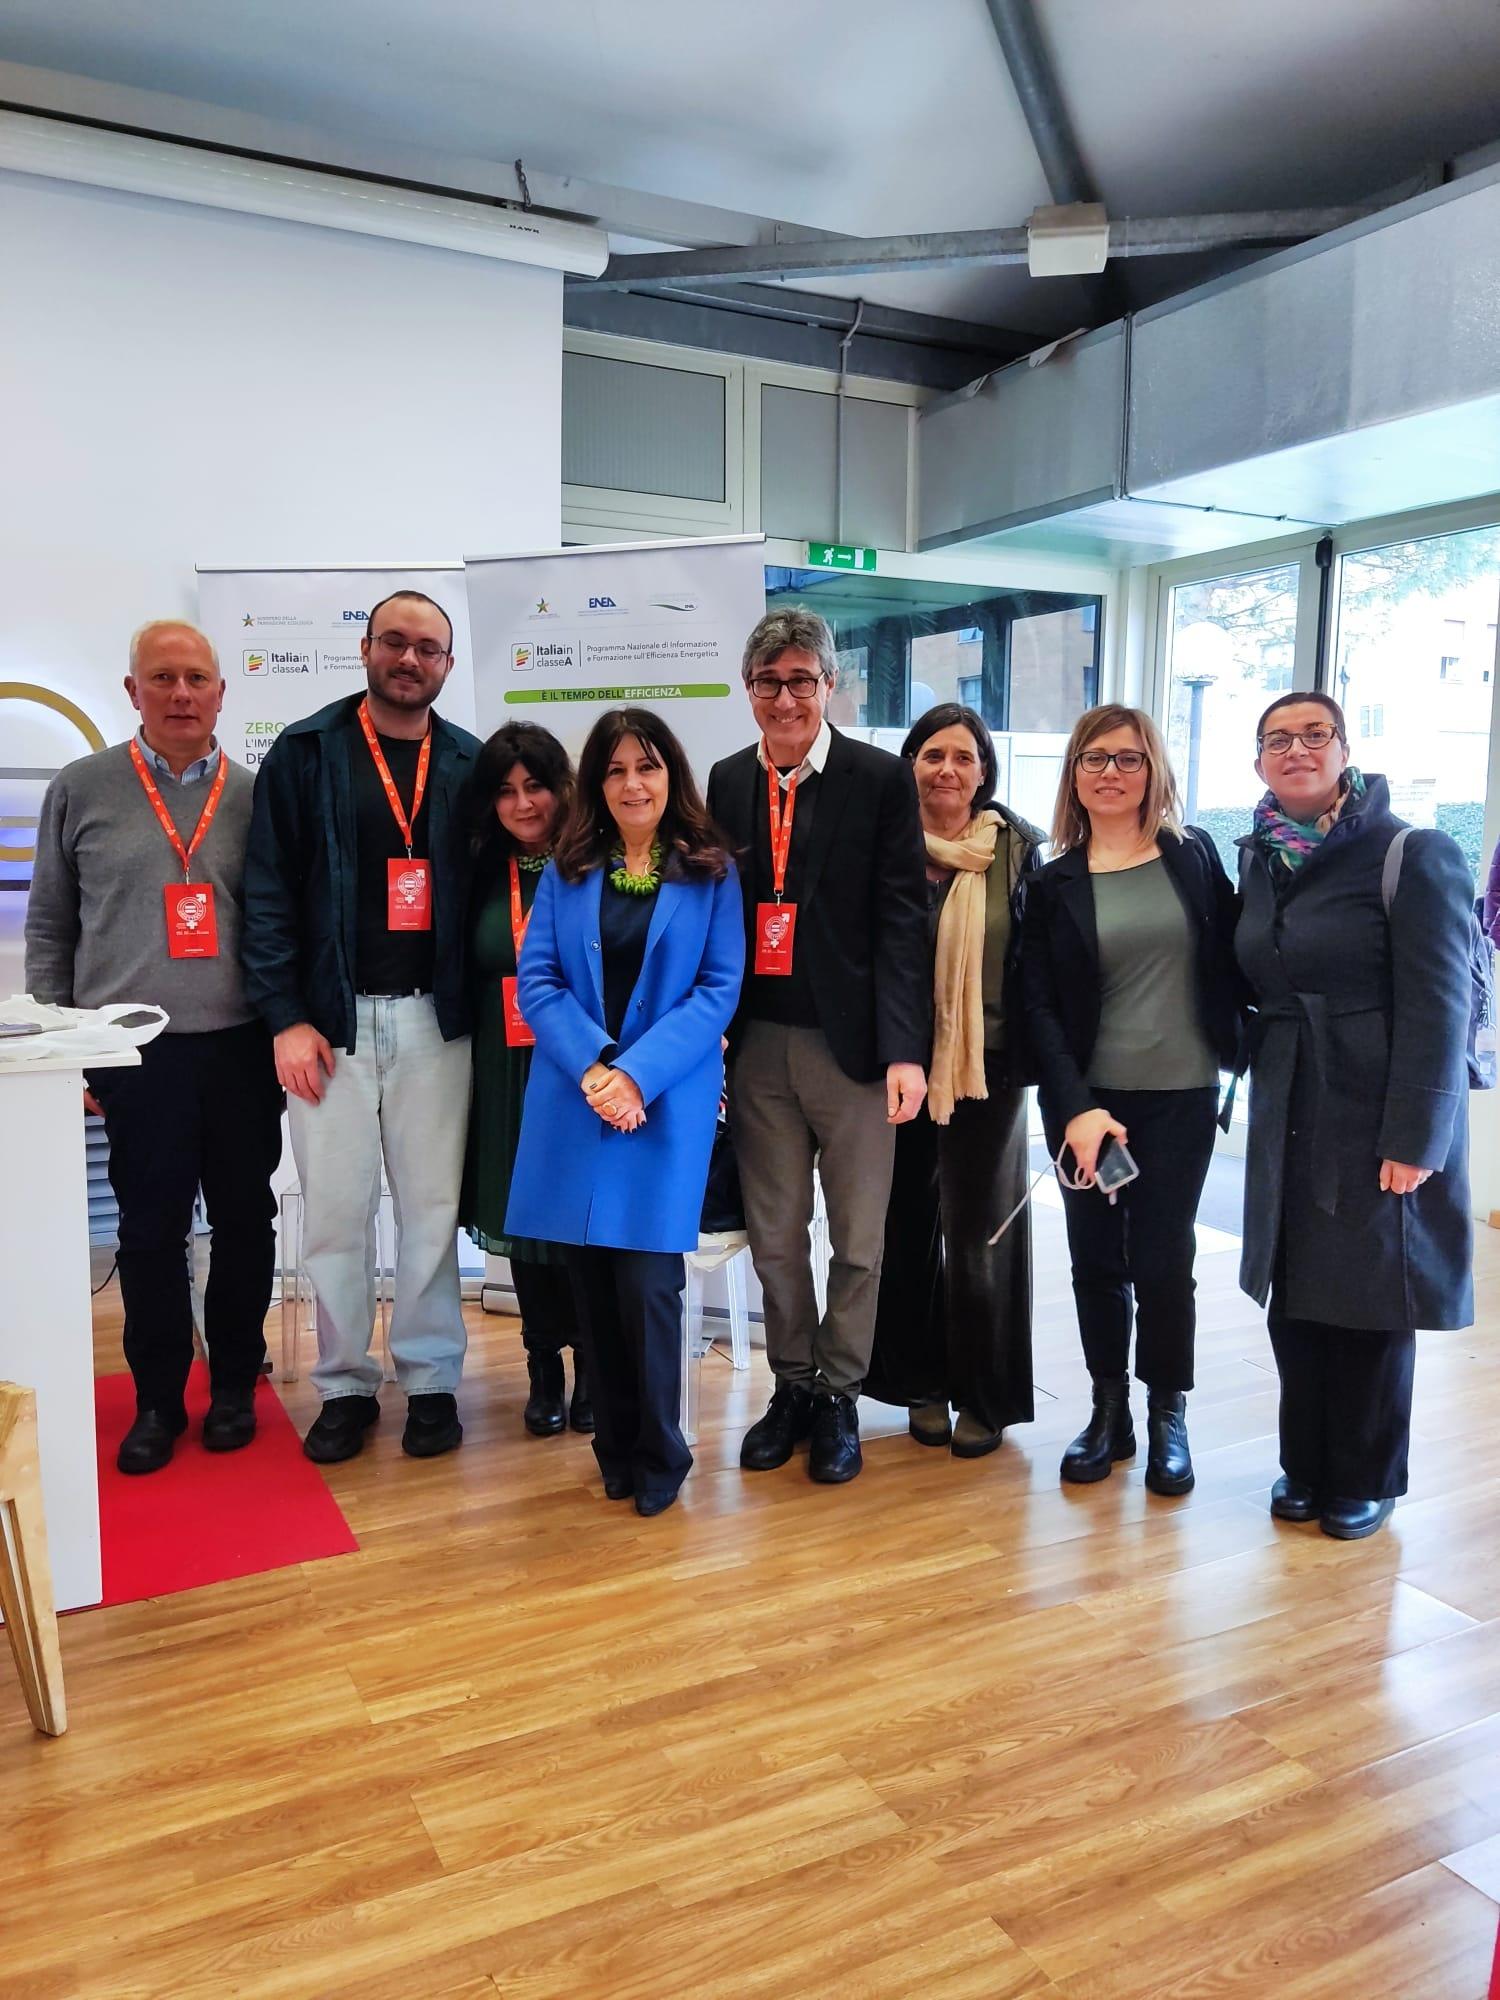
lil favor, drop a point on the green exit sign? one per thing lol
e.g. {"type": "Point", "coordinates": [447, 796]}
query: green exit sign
{"type": "Point", "coordinates": [837, 555]}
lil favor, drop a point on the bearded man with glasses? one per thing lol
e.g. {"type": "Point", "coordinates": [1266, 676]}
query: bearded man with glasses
{"type": "Point", "coordinates": [833, 1029]}
{"type": "Point", "coordinates": [355, 903]}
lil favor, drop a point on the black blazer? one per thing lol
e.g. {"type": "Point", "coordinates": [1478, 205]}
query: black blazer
{"type": "Point", "coordinates": [1060, 965]}
{"type": "Point", "coordinates": [299, 942]}
{"type": "Point", "coordinates": [862, 905]}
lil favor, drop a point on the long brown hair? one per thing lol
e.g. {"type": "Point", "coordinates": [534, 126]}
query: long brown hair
{"type": "Point", "coordinates": [690, 842]}
{"type": "Point", "coordinates": [1161, 807]}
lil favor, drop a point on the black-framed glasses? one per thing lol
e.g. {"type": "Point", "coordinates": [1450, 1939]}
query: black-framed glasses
{"type": "Point", "coordinates": [802, 687]}
{"type": "Point", "coordinates": [1279, 741]}
{"type": "Point", "coordinates": [428, 651]}
{"type": "Point", "coordinates": [1126, 762]}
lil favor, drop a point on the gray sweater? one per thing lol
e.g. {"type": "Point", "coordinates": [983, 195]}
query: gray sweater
{"type": "Point", "coordinates": [96, 927]}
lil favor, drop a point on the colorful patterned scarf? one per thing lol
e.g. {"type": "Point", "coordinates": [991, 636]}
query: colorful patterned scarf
{"type": "Point", "coordinates": [1294, 839]}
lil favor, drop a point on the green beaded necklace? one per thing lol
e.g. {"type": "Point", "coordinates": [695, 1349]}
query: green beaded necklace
{"type": "Point", "coordinates": [646, 884]}
{"type": "Point", "coordinates": [532, 864]}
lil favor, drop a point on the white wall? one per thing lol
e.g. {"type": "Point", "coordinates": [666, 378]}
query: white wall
{"type": "Point", "coordinates": [181, 385]}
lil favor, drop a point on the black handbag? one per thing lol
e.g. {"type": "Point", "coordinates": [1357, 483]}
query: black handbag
{"type": "Point", "coordinates": [723, 1204]}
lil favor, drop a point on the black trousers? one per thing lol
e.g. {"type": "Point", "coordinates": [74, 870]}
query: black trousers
{"type": "Point", "coordinates": [549, 1316]}
{"type": "Point", "coordinates": [1138, 1250]}
{"type": "Point", "coordinates": [201, 1111]}
{"type": "Point", "coordinates": [954, 1320]}
{"type": "Point", "coordinates": [630, 1315]}
{"type": "Point", "coordinates": [1345, 1404]}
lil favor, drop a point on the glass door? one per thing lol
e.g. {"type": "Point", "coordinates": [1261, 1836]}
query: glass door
{"type": "Point", "coordinates": [1230, 649]}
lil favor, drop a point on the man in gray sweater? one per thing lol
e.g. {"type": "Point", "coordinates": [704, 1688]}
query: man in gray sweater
{"type": "Point", "coordinates": [138, 894]}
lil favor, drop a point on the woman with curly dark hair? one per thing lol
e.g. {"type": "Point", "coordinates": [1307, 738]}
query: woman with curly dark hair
{"type": "Point", "coordinates": [629, 977]}
{"type": "Point", "coordinates": [519, 794]}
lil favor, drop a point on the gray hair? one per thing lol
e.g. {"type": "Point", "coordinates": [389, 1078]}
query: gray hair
{"type": "Point", "coordinates": [152, 626]}
{"type": "Point", "coordinates": [790, 631]}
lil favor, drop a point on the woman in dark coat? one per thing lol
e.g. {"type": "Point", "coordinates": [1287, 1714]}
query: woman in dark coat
{"type": "Point", "coordinates": [953, 1327]}
{"type": "Point", "coordinates": [518, 796]}
{"type": "Point", "coordinates": [1132, 1002]}
{"type": "Point", "coordinates": [1357, 1218]}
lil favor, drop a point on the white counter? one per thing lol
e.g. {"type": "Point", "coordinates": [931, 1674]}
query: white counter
{"type": "Point", "coordinates": [46, 1322]}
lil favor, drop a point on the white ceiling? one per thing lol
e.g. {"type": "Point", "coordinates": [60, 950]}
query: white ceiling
{"type": "Point", "coordinates": [888, 116]}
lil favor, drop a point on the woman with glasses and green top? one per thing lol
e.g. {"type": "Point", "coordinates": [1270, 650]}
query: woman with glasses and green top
{"type": "Point", "coordinates": [518, 797]}
{"type": "Point", "coordinates": [1357, 1220]}
{"type": "Point", "coordinates": [1132, 1003]}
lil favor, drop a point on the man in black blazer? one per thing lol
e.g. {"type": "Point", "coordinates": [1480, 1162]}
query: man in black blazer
{"type": "Point", "coordinates": [833, 1029]}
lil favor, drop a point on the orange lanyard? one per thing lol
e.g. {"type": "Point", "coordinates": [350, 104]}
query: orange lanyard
{"type": "Point", "coordinates": [205, 818]}
{"type": "Point", "coordinates": [423, 758]}
{"type": "Point", "coordinates": [519, 922]}
{"type": "Point", "coordinates": [781, 827]}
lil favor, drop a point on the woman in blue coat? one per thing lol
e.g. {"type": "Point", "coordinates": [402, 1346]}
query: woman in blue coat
{"type": "Point", "coordinates": [628, 978]}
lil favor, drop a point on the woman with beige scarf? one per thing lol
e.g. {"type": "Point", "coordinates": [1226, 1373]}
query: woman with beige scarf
{"type": "Point", "coordinates": [954, 1325]}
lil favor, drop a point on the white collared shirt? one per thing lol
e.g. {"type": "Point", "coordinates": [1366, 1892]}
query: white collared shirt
{"type": "Point", "coordinates": [199, 768]}
{"type": "Point", "coordinates": [813, 762]}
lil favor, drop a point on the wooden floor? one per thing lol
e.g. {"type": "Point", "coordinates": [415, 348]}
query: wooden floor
{"type": "Point", "coordinates": [952, 1731]}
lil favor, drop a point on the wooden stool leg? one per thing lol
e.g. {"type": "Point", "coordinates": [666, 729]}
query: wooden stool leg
{"type": "Point", "coordinates": [26, 1580]}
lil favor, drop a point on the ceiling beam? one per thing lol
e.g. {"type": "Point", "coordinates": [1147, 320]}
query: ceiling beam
{"type": "Point", "coordinates": [962, 249]}
{"type": "Point", "coordinates": [153, 114]}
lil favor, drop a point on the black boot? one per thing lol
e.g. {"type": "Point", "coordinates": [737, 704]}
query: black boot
{"type": "Point", "coordinates": [787, 1421]}
{"type": "Point", "coordinates": [1169, 1463]}
{"type": "Point", "coordinates": [1107, 1436]}
{"type": "Point", "coordinates": [835, 1455]}
{"type": "Point", "coordinates": [581, 1409]}
{"type": "Point", "coordinates": [543, 1415]}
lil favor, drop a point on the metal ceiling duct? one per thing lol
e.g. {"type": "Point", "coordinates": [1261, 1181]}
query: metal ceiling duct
{"type": "Point", "coordinates": [1351, 376]}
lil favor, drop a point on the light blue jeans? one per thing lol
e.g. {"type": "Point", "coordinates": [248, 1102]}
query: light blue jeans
{"type": "Point", "coordinates": [404, 1094]}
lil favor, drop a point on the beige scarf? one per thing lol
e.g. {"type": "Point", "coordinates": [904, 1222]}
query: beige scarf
{"type": "Point", "coordinates": [958, 1001]}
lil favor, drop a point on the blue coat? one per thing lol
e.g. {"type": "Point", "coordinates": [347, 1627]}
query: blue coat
{"type": "Point", "coordinates": [576, 1180]}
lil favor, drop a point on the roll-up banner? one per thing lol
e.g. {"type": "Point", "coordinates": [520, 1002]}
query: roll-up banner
{"type": "Point", "coordinates": [560, 637]}
{"type": "Point", "coordinates": [288, 642]}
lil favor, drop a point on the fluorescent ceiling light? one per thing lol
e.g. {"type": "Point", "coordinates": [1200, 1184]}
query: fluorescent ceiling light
{"type": "Point", "coordinates": [60, 151]}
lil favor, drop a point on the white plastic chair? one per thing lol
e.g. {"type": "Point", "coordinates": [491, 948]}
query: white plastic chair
{"type": "Point", "coordinates": [298, 1303]}
{"type": "Point", "coordinates": [712, 1254]}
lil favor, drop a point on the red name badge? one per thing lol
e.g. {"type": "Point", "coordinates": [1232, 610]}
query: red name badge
{"type": "Point", "coordinates": [408, 896]}
{"type": "Point", "coordinates": [517, 1034]}
{"type": "Point", "coordinates": [192, 928]}
{"type": "Point", "coordinates": [775, 927]}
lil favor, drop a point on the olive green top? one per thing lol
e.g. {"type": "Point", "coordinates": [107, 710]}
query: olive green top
{"type": "Point", "coordinates": [1149, 1035]}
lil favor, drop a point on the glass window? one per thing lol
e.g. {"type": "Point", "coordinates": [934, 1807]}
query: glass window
{"type": "Point", "coordinates": [1414, 685]}
{"type": "Point", "coordinates": [1230, 647]}
{"type": "Point", "coordinates": [1028, 660]}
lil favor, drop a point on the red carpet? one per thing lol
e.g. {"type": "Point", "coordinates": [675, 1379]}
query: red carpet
{"type": "Point", "coordinates": [209, 1515]}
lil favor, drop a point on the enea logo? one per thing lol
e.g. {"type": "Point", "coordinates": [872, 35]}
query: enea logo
{"type": "Point", "coordinates": [356, 617]}
{"type": "Point", "coordinates": [602, 605]}
{"type": "Point", "coordinates": [256, 662]}
{"type": "Point", "coordinates": [520, 659]}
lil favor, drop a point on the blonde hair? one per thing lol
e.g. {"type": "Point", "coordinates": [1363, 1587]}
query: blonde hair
{"type": "Point", "coordinates": [1161, 807]}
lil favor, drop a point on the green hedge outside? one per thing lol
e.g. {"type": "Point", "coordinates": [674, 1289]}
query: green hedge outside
{"type": "Point", "coordinates": [1465, 821]}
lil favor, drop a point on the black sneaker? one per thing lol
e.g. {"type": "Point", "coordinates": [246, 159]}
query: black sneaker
{"type": "Point", "coordinates": [787, 1421]}
{"type": "Point", "coordinates": [230, 1423]}
{"type": "Point", "coordinates": [340, 1430]}
{"type": "Point", "coordinates": [835, 1455]}
{"type": "Point", "coordinates": [147, 1445]}
{"type": "Point", "coordinates": [432, 1426]}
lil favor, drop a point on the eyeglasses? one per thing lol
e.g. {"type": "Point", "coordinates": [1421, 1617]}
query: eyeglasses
{"type": "Point", "coordinates": [428, 651]}
{"type": "Point", "coordinates": [802, 687]}
{"type": "Point", "coordinates": [1281, 740]}
{"type": "Point", "coordinates": [1126, 762]}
